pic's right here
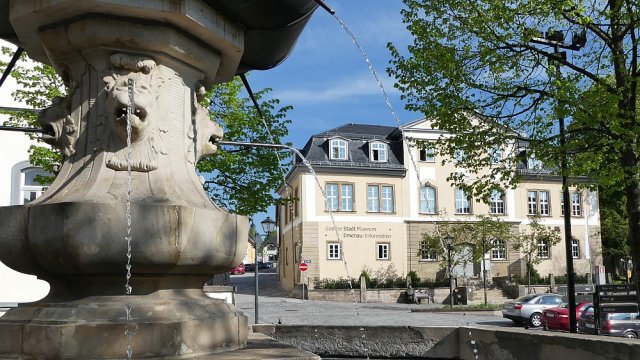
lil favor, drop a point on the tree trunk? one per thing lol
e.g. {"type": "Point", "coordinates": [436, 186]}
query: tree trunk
{"type": "Point", "coordinates": [632, 191]}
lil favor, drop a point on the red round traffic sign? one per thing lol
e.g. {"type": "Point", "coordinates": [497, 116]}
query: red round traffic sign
{"type": "Point", "coordinates": [303, 267]}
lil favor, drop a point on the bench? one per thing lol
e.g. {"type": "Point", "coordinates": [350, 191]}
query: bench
{"type": "Point", "coordinates": [416, 296]}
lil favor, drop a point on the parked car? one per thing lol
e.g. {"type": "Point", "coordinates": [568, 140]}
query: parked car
{"type": "Point", "coordinates": [237, 270]}
{"type": "Point", "coordinates": [250, 267]}
{"type": "Point", "coordinates": [557, 318]}
{"type": "Point", "coordinates": [528, 309]}
{"type": "Point", "coordinates": [263, 265]}
{"type": "Point", "coordinates": [613, 324]}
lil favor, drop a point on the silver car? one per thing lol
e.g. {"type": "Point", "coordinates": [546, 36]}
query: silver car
{"type": "Point", "coordinates": [528, 309]}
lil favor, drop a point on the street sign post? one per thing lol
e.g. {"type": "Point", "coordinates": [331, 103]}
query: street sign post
{"type": "Point", "coordinates": [303, 267]}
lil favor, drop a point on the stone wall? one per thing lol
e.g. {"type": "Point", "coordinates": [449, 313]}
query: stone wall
{"type": "Point", "coordinates": [387, 296]}
{"type": "Point", "coordinates": [441, 342]}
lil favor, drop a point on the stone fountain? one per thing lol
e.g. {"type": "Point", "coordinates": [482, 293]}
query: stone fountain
{"type": "Point", "coordinates": [73, 236]}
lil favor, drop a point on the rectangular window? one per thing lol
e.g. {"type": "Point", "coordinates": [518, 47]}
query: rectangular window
{"type": "Point", "coordinates": [383, 252]}
{"type": "Point", "coordinates": [380, 198]}
{"type": "Point", "coordinates": [378, 152]}
{"type": "Point", "coordinates": [575, 249]}
{"type": "Point", "coordinates": [459, 155]}
{"type": "Point", "coordinates": [543, 249]}
{"type": "Point", "coordinates": [333, 251]}
{"type": "Point", "coordinates": [463, 202]}
{"type": "Point", "coordinates": [496, 155]}
{"type": "Point", "coordinates": [346, 197]}
{"type": "Point", "coordinates": [337, 149]}
{"type": "Point", "coordinates": [499, 250]}
{"type": "Point", "coordinates": [538, 202]}
{"type": "Point", "coordinates": [427, 254]}
{"type": "Point", "coordinates": [427, 155]}
{"type": "Point", "coordinates": [339, 196]}
{"type": "Point", "coordinates": [496, 202]}
{"type": "Point", "coordinates": [576, 204]}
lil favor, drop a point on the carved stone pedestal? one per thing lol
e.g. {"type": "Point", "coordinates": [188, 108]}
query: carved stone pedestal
{"type": "Point", "coordinates": [165, 53]}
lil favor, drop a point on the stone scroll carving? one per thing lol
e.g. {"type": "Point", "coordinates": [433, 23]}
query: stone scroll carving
{"type": "Point", "coordinates": [204, 134]}
{"type": "Point", "coordinates": [146, 142]}
{"type": "Point", "coordinates": [61, 129]}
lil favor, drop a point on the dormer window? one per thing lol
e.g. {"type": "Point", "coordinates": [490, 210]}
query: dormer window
{"type": "Point", "coordinates": [378, 152]}
{"type": "Point", "coordinates": [338, 149]}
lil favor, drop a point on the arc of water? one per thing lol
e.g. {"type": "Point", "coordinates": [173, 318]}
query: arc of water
{"type": "Point", "coordinates": [386, 98]}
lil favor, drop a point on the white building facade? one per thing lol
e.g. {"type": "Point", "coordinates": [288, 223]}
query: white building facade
{"type": "Point", "coordinates": [381, 204]}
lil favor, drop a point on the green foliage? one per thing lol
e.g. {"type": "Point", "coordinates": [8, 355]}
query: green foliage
{"type": "Point", "coordinates": [339, 283]}
{"type": "Point", "coordinates": [244, 180]}
{"type": "Point", "coordinates": [37, 85]}
{"type": "Point", "coordinates": [478, 234]}
{"type": "Point", "coordinates": [474, 69]}
{"type": "Point", "coordinates": [578, 279]}
{"type": "Point", "coordinates": [527, 241]}
{"type": "Point", "coordinates": [415, 279]}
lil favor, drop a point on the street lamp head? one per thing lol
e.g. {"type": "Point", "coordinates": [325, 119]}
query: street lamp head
{"type": "Point", "coordinates": [579, 40]}
{"type": "Point", "coordinates": [268, 225]}
{"type": "Point", "coordinates": [448, 239]}
{"type": "Point", "coordinates": [555, 36]}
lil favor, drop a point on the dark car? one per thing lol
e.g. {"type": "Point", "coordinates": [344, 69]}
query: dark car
{"type": "Point", "coordinates": [263, 265]}
{"type": "Point", "coordinates": [557, 318]}
{"type": "Point", "coordinates": [613, 324]}
{"type": "Point", "coordinates": [528, 309]}
{"type": "Point", "coordinates": [250, 267]}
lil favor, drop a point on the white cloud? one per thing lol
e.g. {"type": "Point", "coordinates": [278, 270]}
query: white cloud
{"type": "Point", "coordinates": [343, 89]}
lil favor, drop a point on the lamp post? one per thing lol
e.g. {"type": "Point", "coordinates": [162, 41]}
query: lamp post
{"type": "Point", "coordinates": [556, 39]}
{"type": "Point", "coordinates": [268, 225]}
{"type": "Point", "coordinates": [256, 240]}
{"type": "Point", "coordinates": [449, 242]}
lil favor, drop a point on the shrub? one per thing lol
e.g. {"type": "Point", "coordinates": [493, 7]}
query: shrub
{"type": "Point", "coordinates": [415, 279]}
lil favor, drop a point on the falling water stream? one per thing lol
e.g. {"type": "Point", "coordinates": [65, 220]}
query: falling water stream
{"type": "Point", "coordinates": [129, 331]}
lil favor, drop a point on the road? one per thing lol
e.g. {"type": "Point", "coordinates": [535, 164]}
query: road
{"type": "Point", "coordinates": [275, 307]}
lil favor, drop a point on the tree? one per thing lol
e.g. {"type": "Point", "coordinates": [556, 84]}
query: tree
{"type": "Point", "coordinates": [474, 69]}
{"type": "Point", "coordinates": [241, 180]}
{"type": "Point", "coordinates": [38, 85]}
{"type": "Point", "coordinates": [529, 242]}
{"type": "Point", "coordinates": [483, 232]}
{"type": "Point", "coordinates": [244, 180]}
{"type": "Point", "coordinates": [614, 227]}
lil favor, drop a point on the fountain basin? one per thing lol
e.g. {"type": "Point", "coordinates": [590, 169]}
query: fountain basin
{"type": "Point", "coordinates": [172, 245]}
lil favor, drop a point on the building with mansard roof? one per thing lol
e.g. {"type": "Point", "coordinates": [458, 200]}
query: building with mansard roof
{"type": "Point", "coordinates": [382, 193]}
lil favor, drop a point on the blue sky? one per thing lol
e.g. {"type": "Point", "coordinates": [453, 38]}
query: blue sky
{"type": "Point", "coordinates": [326, 78]}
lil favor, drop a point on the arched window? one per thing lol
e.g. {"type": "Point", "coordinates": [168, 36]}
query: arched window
{"type": "Point", "coordinates": [25, 188]}
{"type": "Point", "coordinates": [428, 199]}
